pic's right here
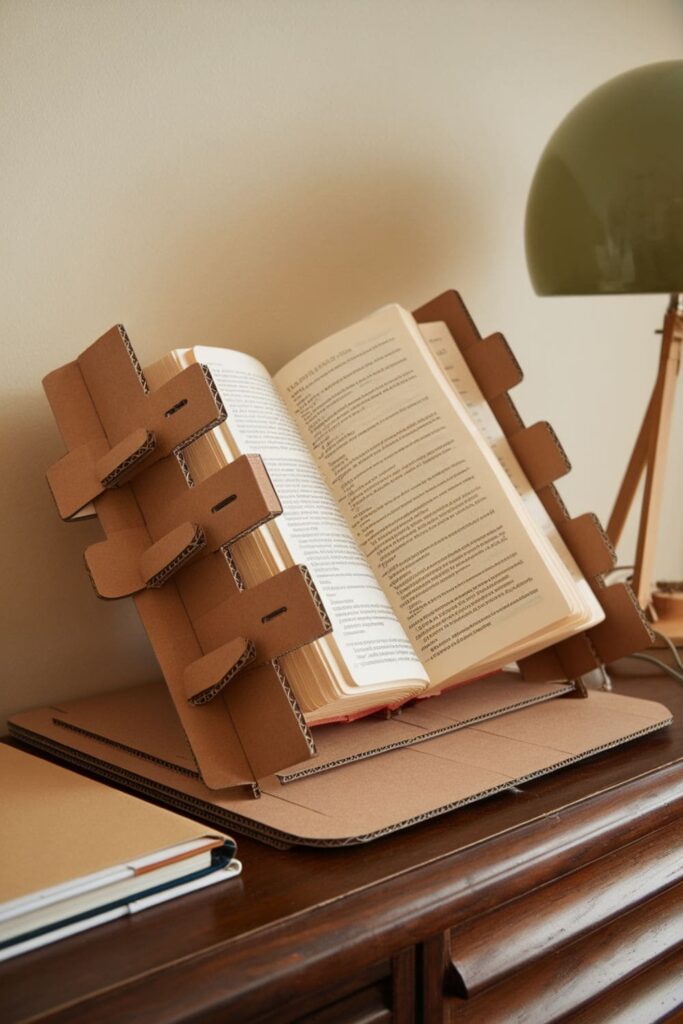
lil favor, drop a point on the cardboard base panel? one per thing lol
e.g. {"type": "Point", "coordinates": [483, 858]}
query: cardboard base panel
{"type": "Point", "coordinates": [434, 759]}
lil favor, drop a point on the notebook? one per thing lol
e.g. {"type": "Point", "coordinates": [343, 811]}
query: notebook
{"type": "Point", "coordinates": [75, 853]}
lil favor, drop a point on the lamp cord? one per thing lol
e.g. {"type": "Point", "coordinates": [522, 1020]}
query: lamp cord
{"type": "Point", "coordinates": [675, 673]}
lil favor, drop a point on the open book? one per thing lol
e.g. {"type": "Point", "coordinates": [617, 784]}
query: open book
{"type": "Point", "coordinates": [432, 553]}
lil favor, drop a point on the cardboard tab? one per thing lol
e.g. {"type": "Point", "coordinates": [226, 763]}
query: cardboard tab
{"type": "Point", "coordinates": [494, 366]}
{"type": "Point", "coordinates": [74, 480]}
{"type": "Point", "coordinates": [206, 677]}
{"type": "Point", "coordinates": [176, 413]}
{"type": "Point", "coordinates": [591, 546]}
{"type": "Point", "coordinates": [624, 619]}
{"type": "Point", "coordinates": [450, 308]}
{"type": "Point", "coordinates": [163, 559]}
{"type": "Point", "coordinates": [183, 409]}
{"type": "Point", "coordinates": [127, 562]}
{"type": "Point", "coordinates": [125, 456]}
{"type": "Point", "coordinates": [278, 615]}
{"type": "Point", "coordinates": [114, 564]}
{"type": "Point", "coordinates": [540, 454]}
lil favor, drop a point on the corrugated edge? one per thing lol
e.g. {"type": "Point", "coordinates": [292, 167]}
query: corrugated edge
{"type": "Point", "coordinates": [207, 695]}
{"type": "Point", "coordinates": [564, 689]}
{"type": "Point", "coordinates": [277, 837]}
{"type": "Point", "coordinates": [196, 544]}
{"type": "Point", "coordinates": [317, 599]}
{"type": "Point", "coordinates": [294, 704]}
{"type": "Point", "coordinates": [137, 366]}
{"type": "Point", "coordinates": [128, 750]}
{"type": "Point", "coordinates": [221, 412]}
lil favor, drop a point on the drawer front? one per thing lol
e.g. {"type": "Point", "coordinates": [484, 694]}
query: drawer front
{"type": "Point", "coordinates": [592, 969]}
{"type": "Point", "coordinates": [381, 994]}
{"type": "Point", "coordinates": [483, 951]}
{"type": "Point", "coordinates": [582, 938]}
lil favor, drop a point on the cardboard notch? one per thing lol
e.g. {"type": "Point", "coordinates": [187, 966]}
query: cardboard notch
{"type": "Point", "coordinates": [494, 366]}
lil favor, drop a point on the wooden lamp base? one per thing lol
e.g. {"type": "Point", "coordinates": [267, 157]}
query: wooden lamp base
{"type": "Point", "coordinates": [664, 604]}
{"type": "Point", "coordinates": [667, 609]}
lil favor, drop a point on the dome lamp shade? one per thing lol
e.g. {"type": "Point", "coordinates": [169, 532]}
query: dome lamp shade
{"type": "Point", "coordinates": [605, 208]}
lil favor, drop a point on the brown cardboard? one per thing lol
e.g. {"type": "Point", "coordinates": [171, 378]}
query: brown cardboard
{"type": "Point", "coordinates": [462, 706]}
{"type": "Point", "coordinates": [181, 522]}
{"type": "Point", "coordinates": [61, 826]}
{"type": "Point", "coordinates": [233, 720]}
{"type": "Point", "coordinates": [540, 455]}
{"type": "Point", "coordinates": [367, 798]}
{"type": "Point", "coordinates": [154, 524]}
{"type": "Point", "coordinates": [544, 461]}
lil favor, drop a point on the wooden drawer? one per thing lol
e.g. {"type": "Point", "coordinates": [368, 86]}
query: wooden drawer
{"type": "Point", "coordinates": [578, 939]}
{"type": "Point", "coordinates": [381, 994]}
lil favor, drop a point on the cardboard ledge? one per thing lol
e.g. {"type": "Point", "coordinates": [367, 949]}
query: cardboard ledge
{"type": "Point", "coordinates": [368, 799]}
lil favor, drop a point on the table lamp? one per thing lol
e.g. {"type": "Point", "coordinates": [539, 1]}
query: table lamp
{"type": "Point", "coordinates": [604, 217]}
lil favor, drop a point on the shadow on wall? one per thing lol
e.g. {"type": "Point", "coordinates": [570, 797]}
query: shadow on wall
{"type": "Point", "coordinates": [272, 279]}
{"type": "Point", "coordinates": [60, 640]}
{"type": "Point", "coordinates": [283, 269]}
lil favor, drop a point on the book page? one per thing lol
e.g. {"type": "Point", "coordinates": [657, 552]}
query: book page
{"type": "Point", "coordinates": [454, 365]}
{"type": "Point", "coordinates": [438, 520]}
{"type": "Point", "coordinates": [371, 639]}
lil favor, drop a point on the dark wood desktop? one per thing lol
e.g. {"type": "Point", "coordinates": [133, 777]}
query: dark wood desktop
{"type": "Point", "coordinates": [560, 900]}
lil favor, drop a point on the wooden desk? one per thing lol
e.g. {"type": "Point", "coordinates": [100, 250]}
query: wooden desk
{"type": "Point", "coordinates": [558, 901]}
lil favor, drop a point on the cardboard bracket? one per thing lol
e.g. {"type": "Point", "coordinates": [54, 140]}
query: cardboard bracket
{"type": "Point", "coordinates": [494, 366]}
{"type": "Point", "coordinates": [125, 427]}
{"type": "Point", "coordinates": [278, 615]}
{"type": "Point", "coordinates": [544, 461]}
{"type": "Point", "coordinates": [230, 503]}
{"type": "Point", "coordinates": [540, 454]}
{"type": "Point", "coordinates": [199, 520]}
{"type": "Point", "coordinates": [127, 563]}
{"type": "Point", "coordinates": [205, 678]}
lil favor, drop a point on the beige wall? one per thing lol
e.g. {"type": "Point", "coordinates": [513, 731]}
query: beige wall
{"type": "Point", "coordinates": [257, 174]}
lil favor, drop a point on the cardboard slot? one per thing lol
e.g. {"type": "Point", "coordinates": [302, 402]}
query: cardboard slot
{"type": "Point", "coordinates": [232, 700]}
{"type": "Point", "coordinates": [121, 396]}
{"type": "Point", "coordinates": [231, 502]}
{"type": "Point", "coordinates": [124, 426]}
{"type": "Point", "coordinates": [278, 615]}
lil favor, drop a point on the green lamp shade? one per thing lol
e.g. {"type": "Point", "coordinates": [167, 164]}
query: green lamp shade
{"type": "Point", "coordinates": [605, 210]}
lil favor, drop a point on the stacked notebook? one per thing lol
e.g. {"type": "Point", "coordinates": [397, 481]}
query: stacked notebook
{"type": "Point", "coordinates": [75, 854]}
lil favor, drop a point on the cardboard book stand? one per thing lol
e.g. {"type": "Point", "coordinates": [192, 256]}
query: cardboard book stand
{"type": "Point", "coordinates": [232, 730]}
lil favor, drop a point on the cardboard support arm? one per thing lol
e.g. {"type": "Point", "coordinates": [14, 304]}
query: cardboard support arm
{"type": "Point", "coordinates": [544, 461]}
{"type": "Point", "coordinates": [190, 522]}
{"type": "Point", "coordinates": [123, 453]}
{"type": "Point", "coordinates": [127, 427]}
